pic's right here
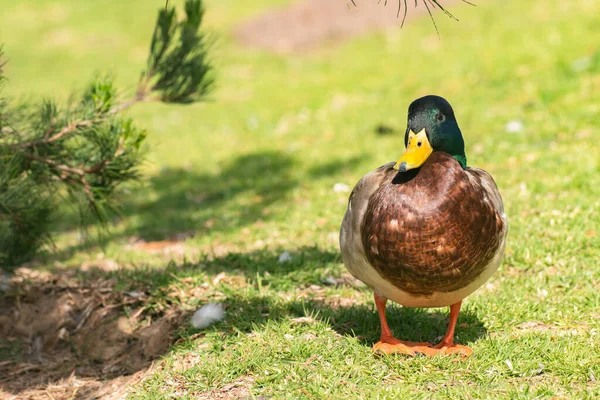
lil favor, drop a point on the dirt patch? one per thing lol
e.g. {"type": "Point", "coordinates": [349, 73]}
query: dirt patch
{"type": "Point", "coordinates": [73, 339]}
{"type": "Point", "coordinates": [81, 388]}
{"type": "Point", "coordinates": [308, 24]}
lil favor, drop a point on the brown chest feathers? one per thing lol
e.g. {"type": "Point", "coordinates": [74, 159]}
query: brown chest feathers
{"type": "Point", "coordinates": [433, 233]}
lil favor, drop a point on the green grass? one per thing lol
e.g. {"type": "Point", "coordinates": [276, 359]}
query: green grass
{"type": "Point", "coordinates": [252, 172]}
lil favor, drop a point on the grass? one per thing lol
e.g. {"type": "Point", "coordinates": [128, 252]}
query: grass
{"type": "Point", "coordinates": [252, 174]}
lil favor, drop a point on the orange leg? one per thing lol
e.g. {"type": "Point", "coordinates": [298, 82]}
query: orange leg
{"type": "Point", "coordinates": [447, 346]}
{"type": "Point", "coordinates": [388, 343]}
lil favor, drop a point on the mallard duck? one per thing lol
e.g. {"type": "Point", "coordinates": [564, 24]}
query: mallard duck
{"type": "Point", "coordinates": [427, 230]}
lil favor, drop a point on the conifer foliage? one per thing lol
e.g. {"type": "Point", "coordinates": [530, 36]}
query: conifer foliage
{"type": "Point", "coordinates": [80, 152]}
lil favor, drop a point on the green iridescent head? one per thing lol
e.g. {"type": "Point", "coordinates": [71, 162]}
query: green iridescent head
{"type": "Point", "coordinates": [431, 127]}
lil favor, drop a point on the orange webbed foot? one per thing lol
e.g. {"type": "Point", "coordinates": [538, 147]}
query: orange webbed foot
{"type": "Point", "coordinates": [457, 349]}
{"type": "Point", "coordinates": [395, 346]}
{"type": "Point", "coordinates": [449, 349]}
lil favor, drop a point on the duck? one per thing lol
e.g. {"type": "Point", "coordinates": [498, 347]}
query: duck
{"type": "Point", "coordinates": [427, 230]}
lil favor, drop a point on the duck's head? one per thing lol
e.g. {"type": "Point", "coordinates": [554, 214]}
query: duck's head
{"type": "Point", "coordinates": [431, 127]}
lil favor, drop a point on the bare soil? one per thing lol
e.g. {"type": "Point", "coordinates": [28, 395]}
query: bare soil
{"type": "Point", "coordinates": [309, 24]}
{"type": "Point", "coordinates": [64, 338]}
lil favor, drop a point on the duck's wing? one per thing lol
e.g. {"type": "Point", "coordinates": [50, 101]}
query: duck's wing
{"type": "Point", "coordinates": [484, 181]}
{"type": "Point", "coordinates": [353, 253]}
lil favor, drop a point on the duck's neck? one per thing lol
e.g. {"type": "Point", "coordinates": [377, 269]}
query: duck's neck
{"type": "Point", "coordinates": [449, 139]}
{"type": "Point", "coordinates": [462, 160]}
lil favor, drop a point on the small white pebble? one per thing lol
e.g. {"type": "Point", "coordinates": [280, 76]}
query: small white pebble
{"type": "Point", "coordinates": [63, 334]}
{"type": "Point", "coordinates": [285, 257]}
{"type": "Point", "coordinates": [135, 294]}
{"type": "Point", "coordinates": [207, 315]}
{"type": "Point", "coordinates": [341, 188]}
{"type": "Point", "coordinates": [509, 364]}
{"type": "Point", "coordinates": [582, 64]}
{"type": "Point", "coordinates": [330, 281]}
{"type": "Point", "coordinates": [514, 126]}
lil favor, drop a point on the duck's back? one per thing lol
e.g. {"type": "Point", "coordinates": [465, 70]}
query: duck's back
{"type": "Point", "coordinates": [429, 232]}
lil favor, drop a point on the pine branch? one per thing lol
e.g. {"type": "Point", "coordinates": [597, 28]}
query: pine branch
{"type": "Point", "coordinates": [87, 148]}
{"type": "Point", "coordinates": [82, 152]}
{"type": "Point", "coordinates": [63, 132]}
{"type": "Point", "coordinates": [178, 66]}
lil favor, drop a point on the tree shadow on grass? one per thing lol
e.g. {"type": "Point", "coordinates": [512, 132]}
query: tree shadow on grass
{"type": "Point", "coordinates": [240, 194]}
{"type": "Point", "coordinates": [305, 273]}
{"type": "Point", "coordinates": [306, 270]}
{"type": "Point", "coordinates": [179, 203]}
{"type": "Point", "coordinates": [109, 327]}
{"type": "Point", "coordinates": [358, 321]}
{"type": "Point", "coordinates": [179, 199]}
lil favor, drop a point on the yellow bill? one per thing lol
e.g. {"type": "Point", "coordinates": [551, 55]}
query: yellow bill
{"type": "Point", "coordinates": [417, 151]}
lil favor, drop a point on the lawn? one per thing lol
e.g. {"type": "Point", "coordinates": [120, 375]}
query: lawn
{"type": "Point", "coordinates": [233, 183]}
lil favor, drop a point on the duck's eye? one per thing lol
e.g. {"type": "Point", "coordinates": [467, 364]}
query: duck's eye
{"type": "Point", "coordinates": [419, 144]}
{"type": "Point", "coordinates": [440, 117]}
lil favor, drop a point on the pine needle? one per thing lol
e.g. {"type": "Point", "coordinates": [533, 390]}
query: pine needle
{"type": "Point", "coordinates": [434, 4]}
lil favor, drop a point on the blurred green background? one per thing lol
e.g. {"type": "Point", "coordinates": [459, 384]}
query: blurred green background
{"type": "Point", "coordinates": [254, 168]}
